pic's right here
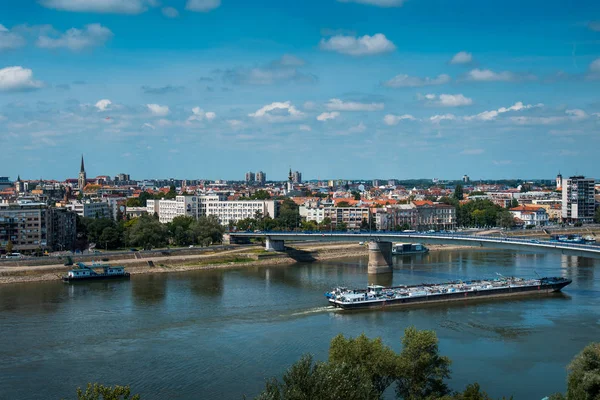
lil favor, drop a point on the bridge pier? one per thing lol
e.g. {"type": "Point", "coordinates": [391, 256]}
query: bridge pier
{"type": "Point", "coordinates": [274, 245]}
{"type": "Point", "coordinates": [380, 257]}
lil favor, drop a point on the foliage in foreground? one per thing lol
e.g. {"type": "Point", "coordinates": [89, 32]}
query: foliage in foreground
{"type": "Point", "coordinates": [101, 392]}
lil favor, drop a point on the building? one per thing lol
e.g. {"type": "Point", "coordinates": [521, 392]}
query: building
{"type": "Point", "coordinates": [559, 181]}
{"type": "Point", "coordinates": [62, 229]}
{"type": "Point", "coordinates": [466, 179]}
{"type": "Point", "coordinates": [578, 202]}
{"type": "Point", "coordinates": [261, 178]}
{"type": "Point", "coordinates": [312, 214]}
{"type": "Point", "coordinates": [135, 212]}
{"type": "Point", "coordinates": [82, 179]}
{"type": "Point", "coordinates": [376, 183]}
{"type": "Point", "coordinates": [25, 224]}
{"type": "Point", "coordinates": [531, 215]}
{"type": "Point", "coordinates": [297, 177]}
{"type": "Point", "coordinates": [436, 217]}
{"type": "Point", "coordinates": [214, 204]}
{"type": "Point", "coordinates": [392, 182]}
{"type": "Point", "coordinates": [5, 182]}
{"type": "Point", "coordinates": [91, 209]}
{"type": "Point", "coordinates": [250, 177]}
{"type": "Point", "coordinates": [350, 217]}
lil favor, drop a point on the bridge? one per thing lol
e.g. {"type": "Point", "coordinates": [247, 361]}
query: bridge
{"type": "Point", "coordinates": [380, 243]}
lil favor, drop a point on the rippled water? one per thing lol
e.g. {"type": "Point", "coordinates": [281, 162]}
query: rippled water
{"type": "Point", "coordinates": [219, 334]}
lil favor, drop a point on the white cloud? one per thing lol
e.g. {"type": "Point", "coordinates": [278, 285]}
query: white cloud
{"type": "Point", "coordinates": [392, 119]}
{"type": "Point", "coordinates": [10, 40]}
{"type": "Point", "coordinates": [277, 112]}
{"type": "Point", "coordinates": [448, 100]}
{"type": "Point", "coordinates": [103, 105]}
{"type": "Point", "coordinates": [305, 128]}
{"type": "Point", "coordinates": [77, 39]}
{"type": "Point", "coordinates": [576, 114]}
{"type": "Point", "coordinates": [17, 78]}
{"type": "Point", "coordinates": [283, 70]}
{"type": "Point", "coordinates": [436, 119]}
{"type": "Point", "coordinates": [328, 115]}
{"type": "Point", "coordinates": [377, 3]}
{"type": "Point", "coordinates": [100, 6]}
{"type": "Point", "coordinates": [358, 46]}
{"type": "Point", "coordinates": [472, 152]}
{"type": "Point", "coordinates": [492, 114]}
{"type": "Point", "coordinates": [595, 65]}
{"type": "Point", "coordinates": [202, 5]}
{"type": "Point", "coordinates": [158, 110]}
{"type": "Point", "coordinates": [361, 127]}
{"type": "Point", "coordinates": [573, 115]}
{"type": "Point", "coordinates": [170, 12]}
{"type": "Point", "coordinates": [235, 123]}
{"type": "Point", "coordinates": [199, 114]}
{"type": "Point", "coordinates": [149, 126]}
{"type": "Point", "coordinates": [594, 26]}
{"type": "Point", "coordinates": [404, 80]}
{"type": "Point", "coordinates": [339, 105]}
{"type": "Point", "coordinates": [462, 58]}
{"type": "Point", "coordinates": [487, 75]}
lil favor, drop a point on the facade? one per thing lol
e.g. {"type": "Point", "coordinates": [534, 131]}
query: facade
{"type": "Point", "coordinates": [297, 177]}
{"type": "Point", "coordinates": [250, 177]}
{"type": "Point", "coordinates": [62, 229]}
{"type": "Point", "coordinates": [261, 178]}
{"type": "Point", "coordinates": [531, 215]}
{"type": "Point", "coordinates": [559, 181]}
{"type": "Point", "coordinates": [135, 212]}
{"type": "Point", "coordinates": [91, 209]}
{"type": "Point", "coordinates": [25, 225]}
{"type": "Point", "coordinates": [352, 217]}
{"type": "Point", "coordinates": [5, 182]}
{"type": "Point", "coordinates": [436, 216]}
{"type": "Point", "coordinates": [312, 214]}
{"type": "Point", "coordinates": [217, 205]}
{"type": "Point", "coordinates": [578, 202]}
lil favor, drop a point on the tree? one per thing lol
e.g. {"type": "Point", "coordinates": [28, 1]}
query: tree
{"type": "Point", "coordinates": [458, 192]}
{"type": "Point", "coordinates": [325, 225]}
{"type": "Point", "coordinates": [583, 382]}
{"type": "Point", "coordinates": [135, 202]}
{"type": "Point", "coordinates": [514, 203]}
{"type": "Point", "coordinates": [422, 370]}
{"type": "Point", "coordinates": [341, 226]}
{"type": "Point", "coordinates": [597, 216]}
{"type": "Point", "coordinates": [472, 392]}
{"type": "Point", "coordinates": [343, 204]}
{"type": "Point", "coordinates": [356, 195]}
{"type": "Point", "coordinates": [289, 215]}
{"type": "Point", "coordinates": [207, 230]}
{"type": "Point", "coordinates": [378, 362]}
{"type": "Point", "coordinates": [110, 238]}
{"type": "Point", "coordinates": [260, 195]}
{"type": "Point", "coordinates": [101, 392]}
{"type": "Point", "coordinates": [306, 380]}
{"type": "Point", "coordinates": [180, 232]}
{"type": "Point", "coordinates": [505, 219]}
{"type": "Point", "coordinates": [9, 247]}
{"type": "Point", "coordinates": [147, 232]}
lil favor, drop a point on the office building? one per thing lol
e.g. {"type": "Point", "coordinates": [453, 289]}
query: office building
{"type": "Point", "coordinates": [261, 178]}
{"type": "Point", "coordinates": [578, 202]}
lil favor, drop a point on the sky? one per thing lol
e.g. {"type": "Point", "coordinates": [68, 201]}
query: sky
{"type": "Point", "coordinates": [337, 89]}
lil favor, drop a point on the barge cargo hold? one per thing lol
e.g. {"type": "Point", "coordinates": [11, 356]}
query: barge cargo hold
{"type": "Point", "coordinates": [378, 296]}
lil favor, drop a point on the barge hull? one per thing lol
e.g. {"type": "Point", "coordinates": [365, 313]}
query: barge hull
{"type": "Point", "coordinates": [459, 296]}
{"type": "Point", "coordinates": [95, 278]}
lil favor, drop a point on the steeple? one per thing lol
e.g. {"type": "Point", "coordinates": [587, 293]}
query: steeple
{"type": "Point", "coordinates": [82, 179]}
{"type": "Point", "coordinates": [82, 166]}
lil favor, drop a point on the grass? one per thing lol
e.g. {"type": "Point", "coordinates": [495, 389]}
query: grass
{"type": "Point", "coordinates": [220, 261]}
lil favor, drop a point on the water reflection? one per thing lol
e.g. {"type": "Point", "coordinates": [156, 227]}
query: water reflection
{"type": "Point", "coordinates": [151, 288]}
{"type": "Point", "coordinates": [208, 284]}
{"type": "Point", "coordinates": [47, 295]}
{"type": "Point", "coordinates": [579, 269]}
{"type": "Point", "coordinates": [381, 279]}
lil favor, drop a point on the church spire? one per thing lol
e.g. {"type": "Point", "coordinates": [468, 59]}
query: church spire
{"type": "Point", "coordinates": [82, 166]}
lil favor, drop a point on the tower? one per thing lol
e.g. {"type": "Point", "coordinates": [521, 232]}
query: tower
{"type": "Point", "coordinates": [19, 186]}
{"type": "Point", "coordinates": [290, 185]}
{"type": "Point", "coordinates": [559, 180]}
{"type": "Point", "coordinates": [82, 179]}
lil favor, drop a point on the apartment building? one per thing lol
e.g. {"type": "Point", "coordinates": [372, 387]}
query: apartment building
{"type": "Point", "coordinates": [531, 215]}
{"type": "Point", "coordinates": [435, 216]}
{"type": "Point", "coordinates": [91, 209]}
{"type": "Point", "coordinates": [351, 217]}
{"type": "Point", "coordinates": [578, 202]}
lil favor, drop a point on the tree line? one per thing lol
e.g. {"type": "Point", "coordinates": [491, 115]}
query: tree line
{"type": "Point", "coordinates": [363, 369]}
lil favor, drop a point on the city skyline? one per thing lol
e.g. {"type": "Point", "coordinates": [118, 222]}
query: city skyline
{"type": "Point", "coordinates": [356, 89]}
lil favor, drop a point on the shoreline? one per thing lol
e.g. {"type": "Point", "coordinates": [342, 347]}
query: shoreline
{"type": "Point", "coordinates": [238, 258]}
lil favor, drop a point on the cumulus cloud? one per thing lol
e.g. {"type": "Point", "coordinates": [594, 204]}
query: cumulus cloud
{"type": "Point", "coordinates": [339, 105]}
{"type": "Point", "coordinates": [305, 128]}
{"type": "Point", "coordinates": [377, 3]}
{"type": "Point", "coordinates": [202, 5]}
{"type": "Point", "coordinates": [277, 112]}
{"type": "Point", "coordinates": [103, 105]}
{"type": "Point", "coordinates": [462, 57]}
{"type": "Point", "coordinates": [487, 75]}
{"type": "Point", "coordinates": [436, 119]}
{"type": "Point", "coordinates": [170, 12]}
{"type": "Point", "coordinates": [326, 116]}
{"type": "Point", "coordinates": [17, 78]}
{"type": "Point", "coordinates": [391, 119]}
{"type": "Point", "coordinates": [10, 40]}
{"type": "Point", "coordinates": [199, 114]}
{"type": "Point", "coordinates": [358, 46]}
{"type": "Point", "coordinates": [404, 80]}
{"type": "Point", "coordinates": [77, 39]}
{"type": "Point", "coordinates": [492, 114]}
{"type": "Point", "coordinates": [283, 70]}
{"type": "Point", "coordinates": [448, 100]}
{"type": "Point", "coordinates": [158, 110]}
{"type": "Point", "coordinates": [100, 6]}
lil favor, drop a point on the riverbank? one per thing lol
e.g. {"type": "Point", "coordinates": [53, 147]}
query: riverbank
{"type": "Point", "coordinates": [236, 258]}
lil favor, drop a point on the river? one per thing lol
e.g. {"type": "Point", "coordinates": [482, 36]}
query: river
{"type": "Point", "coordinates": [217, 334]}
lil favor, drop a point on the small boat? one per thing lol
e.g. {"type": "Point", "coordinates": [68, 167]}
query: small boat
{"type": "Point", "coordinates": [375, 296]}
{"type": "Point", "coordinates": [409, 248]}
{"type": "Point", "coordinates": [589, 239]}
{"type": "Point", "coordinates": [577, 239]}
{"type": "Point", "coordinates": [85, 272]}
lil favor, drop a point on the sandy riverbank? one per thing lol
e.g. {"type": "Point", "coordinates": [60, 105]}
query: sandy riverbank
{"type": "Point", "coordinates": [226, 259]}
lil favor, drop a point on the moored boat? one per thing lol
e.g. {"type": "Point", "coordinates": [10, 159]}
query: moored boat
{"type": "Point", "coordinates": [375, 296]}
{"type": "Point", "coordinates": [409, 248]}
{"type": "Point", "coordinates": [89, 272]}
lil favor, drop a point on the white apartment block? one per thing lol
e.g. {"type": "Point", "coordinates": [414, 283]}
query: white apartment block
{"type": "Point", "coordinates": [312, 214]}
{"type": "Point", "coordinates": [578, 202]}
{"type": "Point", "coordinates": [90, 209]}
{"type": "Point", "coordinates": [196, 206]}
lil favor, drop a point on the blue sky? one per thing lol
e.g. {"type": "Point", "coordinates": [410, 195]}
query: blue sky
{"type": "Point", "coordinates": [352, 89]}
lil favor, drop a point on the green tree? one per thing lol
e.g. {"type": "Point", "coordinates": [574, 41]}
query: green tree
{"type": "Point", "coordinates": [458, 192]}
{"type": "Point", "coordinates": [260, 195]}
{"type": "Point", "coordinates": [325, 225]}
{"type": "Point", "coordinates": [356, 195]}
{"type": "Point", "coordinates": [147, 232]}
{"type": "Point", "coordinates": [597, 216]}
{"type": "Point", "coordinates": [101, 392]}
{"type": "Point", "coordinates": [514, 203]}
{"type": "Point", "coordinates": [171, 194]}
{"type": "Point", "coordinates": [134, 202]}
{"type": "Point", "coordinates": [472, 392]}
{"type": "Point", "coordinates": [309, 226]}
{"type": "Point", "coordinates": [343, 204]}
{"type": "Point", "coordinates": [378, 362]}
{"type": "Point", "coordinates": [180, 231]}
{"type": "Point", "coordinates": [207, 230]}
{"type": "Point", "coordinates": [289, 215]}
{"type": "Point", "coordinates": [583, 382]}
{"type": "Point", "coordinates": [306, 380]}
{"type": "Point", "coordinates": [9, 247]}
{"type": "Point", "coordinates": [422, 370]}
{"type": "Point", "coordinates": [110, 238]}
{"type": "Point", "coordinates": [341, 226]}
{"type": "Point", "coordinates": [505, 219]}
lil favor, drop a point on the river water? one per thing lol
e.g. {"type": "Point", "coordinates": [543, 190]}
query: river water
{"type": "Point", "coordinates": [218, 334]}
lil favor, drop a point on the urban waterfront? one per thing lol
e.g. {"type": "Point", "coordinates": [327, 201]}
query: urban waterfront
{"type": "Point", "coordinates": [220, 333]}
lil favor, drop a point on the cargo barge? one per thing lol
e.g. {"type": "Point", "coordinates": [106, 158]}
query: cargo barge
{"type": "Point", "coordinates": [88, 272]}
{"type": "Point", "coordinates": [375, 296]}
{"type": "Point", "coordinates": [409, 249]}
